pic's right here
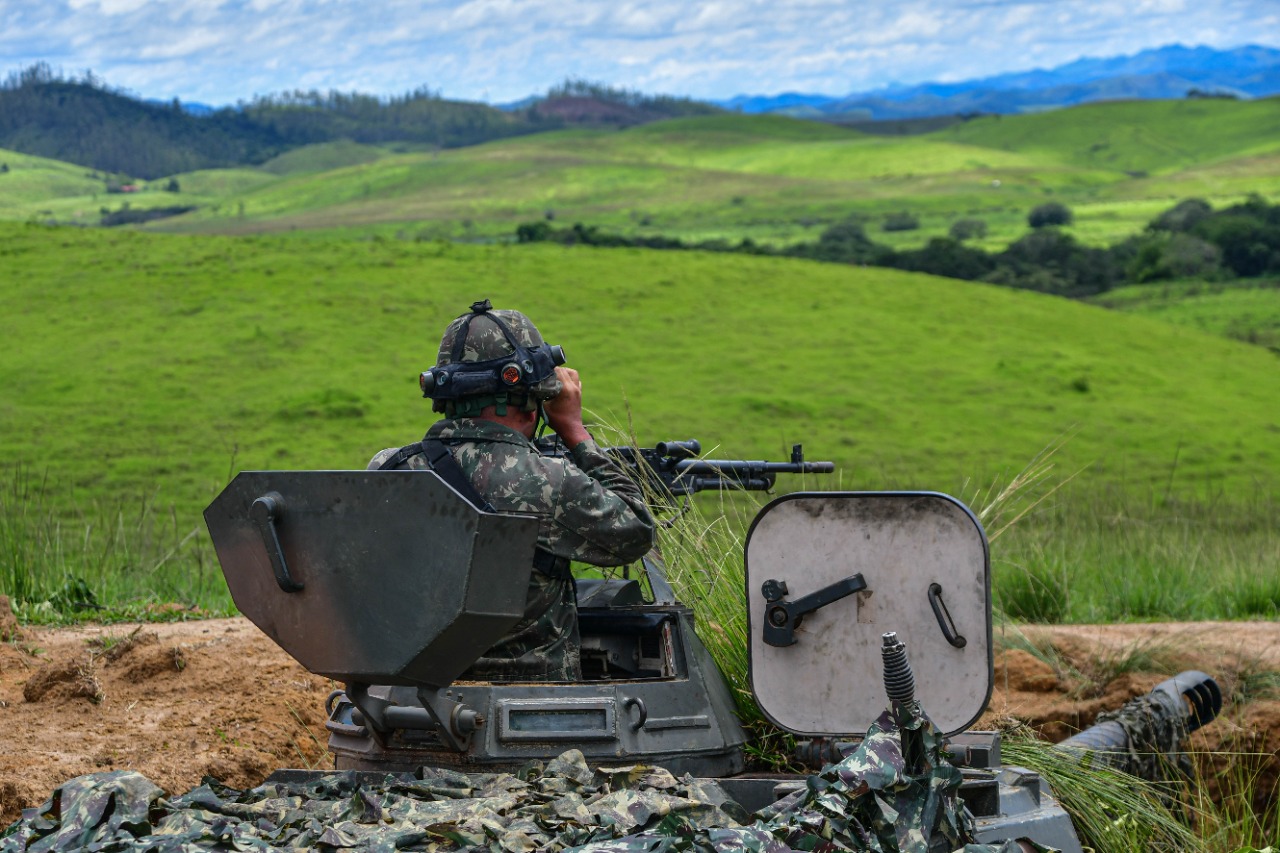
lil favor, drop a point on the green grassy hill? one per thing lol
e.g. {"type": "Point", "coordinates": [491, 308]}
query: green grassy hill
{"type": "Point", "coordinates": [142, 371]}
{"type": "Point", "coordinates": [32, 182]}
{"type": "Point", "coordinates": [322, 157]}
{"type": "Point", "coordinates": [1133, 136]}
{"type": "Point", "coordinates": [776, 179]}
{"type": "Point", "coordinates": [765, 177]}
{"type": "Point", "coordinates": [152, 364]}
{"type": "Point", "coordinates": [1246, 310]}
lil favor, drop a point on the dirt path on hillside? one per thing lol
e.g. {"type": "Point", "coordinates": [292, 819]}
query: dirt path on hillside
{"type": "Point", "coordinates": [180, 701]}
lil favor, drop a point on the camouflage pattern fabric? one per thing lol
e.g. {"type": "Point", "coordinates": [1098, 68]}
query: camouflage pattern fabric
{"type": "Point", "coordinates": [485, 342]}
{"type": "Point", "coordinates": [864, 803]}
{"type": "Point", "coordinates": [544, 645]}
{"type": "Point", "coordinates": [1155, 726]}
{"type": "Point", "coordinates": [589, 510]}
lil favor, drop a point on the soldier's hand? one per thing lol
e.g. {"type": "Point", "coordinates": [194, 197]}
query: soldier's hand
{"type": "Point", "coordinates": [564, 411]}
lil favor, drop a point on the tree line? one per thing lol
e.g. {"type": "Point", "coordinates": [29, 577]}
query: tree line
{"type": "Point", "coordinates": [82, 120]}
{"type": "Point", "coordinates": [1190, 240]}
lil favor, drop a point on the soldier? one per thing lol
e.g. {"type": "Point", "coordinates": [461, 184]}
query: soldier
{"type": "Point", "coordinates": [494, 378]}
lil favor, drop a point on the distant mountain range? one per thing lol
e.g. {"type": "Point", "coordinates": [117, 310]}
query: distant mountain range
{"type": "Point", "coordinates": [1173, 71]}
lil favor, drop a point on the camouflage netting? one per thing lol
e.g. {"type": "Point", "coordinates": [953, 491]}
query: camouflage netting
{"type": "Point", "coordinates": [864, 803]}
{"type": "Point", "coordinates": [1155, 728]}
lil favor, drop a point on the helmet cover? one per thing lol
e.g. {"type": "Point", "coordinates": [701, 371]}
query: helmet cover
{"type": "Point", "coordinates": [486, 342]}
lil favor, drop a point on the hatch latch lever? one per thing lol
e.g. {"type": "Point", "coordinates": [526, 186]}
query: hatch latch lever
{"type": "Point", "coordinates": [782, 617]}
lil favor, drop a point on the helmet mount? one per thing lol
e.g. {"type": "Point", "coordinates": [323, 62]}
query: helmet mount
{"type": "Point", "coordinates": [521, 372]}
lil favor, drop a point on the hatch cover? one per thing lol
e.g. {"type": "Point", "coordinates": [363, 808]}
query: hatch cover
{"type": "Point", "coordinates": [828, 573]}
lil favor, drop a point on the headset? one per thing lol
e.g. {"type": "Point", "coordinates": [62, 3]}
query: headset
{"type": "Point", "coordinates": [520, 371]}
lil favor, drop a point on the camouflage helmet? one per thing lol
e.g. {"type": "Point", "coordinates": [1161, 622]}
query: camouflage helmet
{"type": "Point", "coordinates": [501, 343]}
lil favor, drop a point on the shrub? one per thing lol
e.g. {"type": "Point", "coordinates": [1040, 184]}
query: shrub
{"type": "Point", "coordinates": [1054, 262]}
{"type": "Point", "coordinates": [968, 229]}
{"type": "Point", "coordinates": [944, 256]}
{"type": "Point", "coordinates": [1049, 213]}
{"type": "Point", "coordinates": [845, 242]}
{"type": "Point", "coordinates": [1163, 256]}
{"type": "Point", "coordinates": [134, 216]}
{"type": "Point", "coordinates": [1183, 216]}
{"type": "Point", "coordinates": [533, 232]}
{"type": "Point", "coordinates": [1249, 246]}
{"type": "Point", "coordinates": [901, 221]}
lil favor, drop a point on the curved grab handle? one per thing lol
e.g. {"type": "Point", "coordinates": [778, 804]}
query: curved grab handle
{"type": "Point", "coordinates": [638, 703]}
{"type": "Point", "coordinates": [265, 511]}
{"type": "Point", "coordinates": [943, 616]}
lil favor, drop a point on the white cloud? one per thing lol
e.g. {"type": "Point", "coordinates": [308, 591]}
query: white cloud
{"type": "Point", "coordinates": [220, 51]}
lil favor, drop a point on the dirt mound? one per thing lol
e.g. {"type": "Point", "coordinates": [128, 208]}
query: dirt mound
{"type": "Point", "coordinates": [1022, 671]}
{"type": "Point", "coordinates": [10, 630]}
{"type": "Point", "coordinates": [64, 680]}
{"type": "Point", "coordinates": [184, 700]}
{"type": "Point", "coordinates": [175, 702]}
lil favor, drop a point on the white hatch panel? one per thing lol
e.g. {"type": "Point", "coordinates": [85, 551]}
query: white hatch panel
{"type": "Point", "coordinates": [923, 559]}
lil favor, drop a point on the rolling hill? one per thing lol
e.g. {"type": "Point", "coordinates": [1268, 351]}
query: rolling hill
{"type": "Point", "coordinates": [775, 179]}
{"type": "Point", "coordinates": [155, 365]}
{"type": "Point", "coordinates": [767, 178]}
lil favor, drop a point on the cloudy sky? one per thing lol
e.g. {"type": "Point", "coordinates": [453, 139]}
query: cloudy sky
{"type": "Point", "coordinates": [221, 51]}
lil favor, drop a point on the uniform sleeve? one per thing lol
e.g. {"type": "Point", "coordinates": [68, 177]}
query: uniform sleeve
{"type": "Point", "coordinates": [599, 516]}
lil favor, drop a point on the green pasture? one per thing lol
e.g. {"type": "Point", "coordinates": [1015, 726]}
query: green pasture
{"type": "Point", "coordinates": [32, 182]}
{"type": "Point", "coordinates": [1246, 310]}
{"type": "Point", "coordinates": [42, 190]}
{"type": "Point", "coordinates": [1133, 136]}
{"type": "Point", "coordinates": [142, 371]}
{"type": "Point", "coordinates": [774, 179]}
{"type": "Point", "coordinates": [767, 178]}
{"type": "Point", "coordinates": [323, 156]}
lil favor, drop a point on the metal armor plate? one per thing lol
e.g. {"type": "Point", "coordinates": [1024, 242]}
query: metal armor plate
{"type": "Point", "coordinates": [383, 577]}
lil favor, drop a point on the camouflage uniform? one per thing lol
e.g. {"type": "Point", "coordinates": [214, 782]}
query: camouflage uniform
{"type": "Point", "coordinates": [589, 510]}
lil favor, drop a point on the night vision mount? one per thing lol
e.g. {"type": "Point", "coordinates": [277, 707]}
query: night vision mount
{"type": "Point", "coordinates": [523, 369]}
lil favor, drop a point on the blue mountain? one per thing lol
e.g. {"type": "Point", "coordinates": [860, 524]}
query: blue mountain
{"type": "Point", "coordinates": [1252, 71]}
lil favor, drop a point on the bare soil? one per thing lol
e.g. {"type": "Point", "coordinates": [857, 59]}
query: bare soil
{"type": "Point", "coordinates": [180, 701]}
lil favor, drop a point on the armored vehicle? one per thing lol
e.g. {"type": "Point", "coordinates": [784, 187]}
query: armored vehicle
{"type": "Point", "coordinates": [392, 584]}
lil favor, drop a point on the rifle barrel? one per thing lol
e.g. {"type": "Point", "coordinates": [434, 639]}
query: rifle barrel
{"type": "Point", "coordinates": [746, 467]}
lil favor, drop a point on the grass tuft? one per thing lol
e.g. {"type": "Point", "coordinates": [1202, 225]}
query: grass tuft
{"type": "Point", "coordinates": [1113, 812]}
{"type": "Point", "coordinates": [109, 563]}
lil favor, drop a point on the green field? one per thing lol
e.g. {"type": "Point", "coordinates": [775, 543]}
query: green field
{"type": "Point", "coordinates": [146, 369]}
{"type": "Point", "coordinates": [1245, 310]}
{"type": "Point", "coordinates": [286, 329]}
{"type": "Point", "coordinates": [768, 178]}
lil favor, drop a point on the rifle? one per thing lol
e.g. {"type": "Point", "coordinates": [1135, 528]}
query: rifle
{"type": "Point", "coordinates": [673, 469]}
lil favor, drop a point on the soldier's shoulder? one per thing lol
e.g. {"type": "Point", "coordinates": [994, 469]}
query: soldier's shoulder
{"type": "Point", "coordinates": [513, 464]}
{"type": "Point", "coordinates": [415, 462]}
{"type": "Point", "coordinates": [380, 457]}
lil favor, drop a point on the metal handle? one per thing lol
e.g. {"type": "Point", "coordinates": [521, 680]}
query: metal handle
{"type": "Point", "coordinates": [265, 511]}
{"type": "Point", "coordinates": [638, 703]}
{"type": "Point", "coordinates": [943, 616]}
{"type": "Point", "coordinates": [782, 617]}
